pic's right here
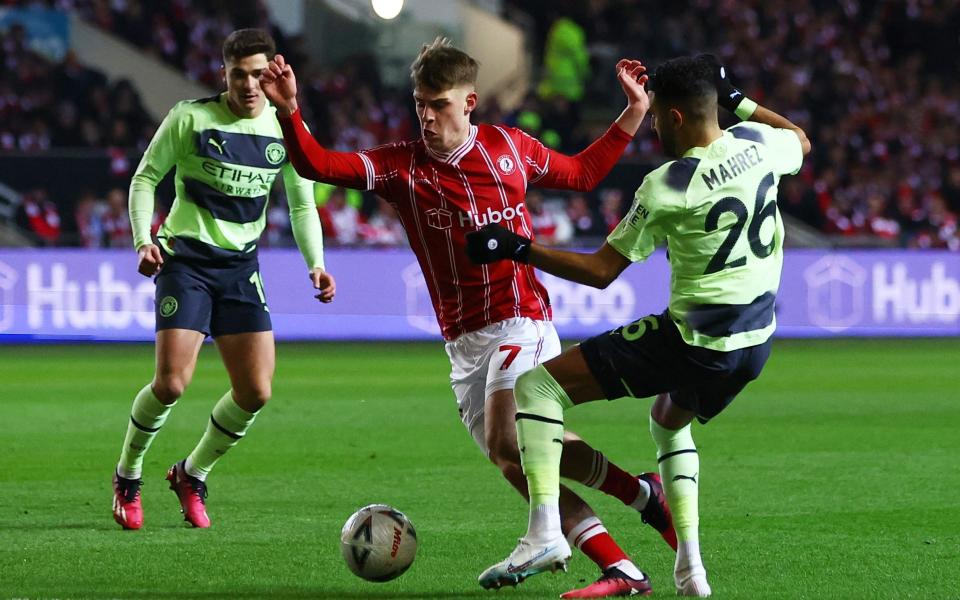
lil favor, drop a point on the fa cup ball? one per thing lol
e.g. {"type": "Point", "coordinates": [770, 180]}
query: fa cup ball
{"type": "Point", "coordinates": [378, 543]}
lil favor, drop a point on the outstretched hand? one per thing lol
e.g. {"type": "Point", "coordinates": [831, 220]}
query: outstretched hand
{"type": "Point", "coordinates": [279, 85]}
{"type": "Point", "coordinates": [632, 76]}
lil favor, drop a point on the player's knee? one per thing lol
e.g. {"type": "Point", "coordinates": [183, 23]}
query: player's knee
{"type": "Point", "coordinates": [256, 395]}
{"type": "Point", "coordinates": [169, 387]}
{"type": "Point", "coordinates": [524, 387]}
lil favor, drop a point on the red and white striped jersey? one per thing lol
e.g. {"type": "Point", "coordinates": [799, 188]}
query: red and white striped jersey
{"type": "Point", "coordinates": [441, 197]}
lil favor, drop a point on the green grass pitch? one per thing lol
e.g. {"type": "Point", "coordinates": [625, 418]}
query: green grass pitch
{"type": "Point", "coordinates": [833, 476]}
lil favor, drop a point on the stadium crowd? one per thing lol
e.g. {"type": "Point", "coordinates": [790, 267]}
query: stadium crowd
{"type": "Point", "coordinates": [872, 82]}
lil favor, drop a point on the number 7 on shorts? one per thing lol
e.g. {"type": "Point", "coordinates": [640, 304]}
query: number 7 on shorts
{"type": "Point", "coordinates": [512, 351]}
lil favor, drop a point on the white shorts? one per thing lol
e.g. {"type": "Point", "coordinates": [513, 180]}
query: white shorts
{"type": "Point", "coordinates": [491, 359]}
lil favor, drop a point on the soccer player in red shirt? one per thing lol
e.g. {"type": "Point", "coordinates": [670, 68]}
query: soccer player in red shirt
{"type": "Point", "coordinates": [495, 318]}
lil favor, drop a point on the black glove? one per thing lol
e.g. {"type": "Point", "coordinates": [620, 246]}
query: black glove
{"type": "Point", "coordinates": [728, 96]}
{"type": "Point", "coordinates": [493, 243]}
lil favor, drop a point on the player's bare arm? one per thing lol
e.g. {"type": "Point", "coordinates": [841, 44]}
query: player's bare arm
{"type": "Point", "coordinates": [150, 260]}
{"type": "Point", "coordinates": [599, 269]}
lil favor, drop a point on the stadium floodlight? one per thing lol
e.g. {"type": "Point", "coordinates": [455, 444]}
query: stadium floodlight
{"type": "Point", "coordinates": [387, 9]}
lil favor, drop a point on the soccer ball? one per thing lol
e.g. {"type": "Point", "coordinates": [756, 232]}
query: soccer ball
{"type": "Point", "coordinates": [378, 543]}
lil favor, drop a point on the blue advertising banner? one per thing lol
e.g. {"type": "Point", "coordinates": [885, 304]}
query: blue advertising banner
{"type": "Point", "coordinates": [381, 295]}
{"type": "Point", "coordinates": [47, 31]}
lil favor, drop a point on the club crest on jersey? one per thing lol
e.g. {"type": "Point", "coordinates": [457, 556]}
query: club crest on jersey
{"type": "Point", "coordinates": [439, 218]}
{"type": "Point", "coordinates": [506, 164]}
{"type": "Point", "coordinates": [275, 153]}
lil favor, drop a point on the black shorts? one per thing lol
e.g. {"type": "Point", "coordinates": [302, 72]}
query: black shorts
{"type": "Point", "coordinates": [649, 357]}
{"type": "Point", "coordinates": [215, 299]}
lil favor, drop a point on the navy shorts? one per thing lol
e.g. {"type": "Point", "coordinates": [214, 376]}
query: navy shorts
{"type": "Point", "coordinates": [215, 299]}
{"type": "Point", "coordinates": [648, 357]}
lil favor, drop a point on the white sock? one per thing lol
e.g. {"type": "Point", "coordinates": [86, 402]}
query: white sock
{"type": "Point", "coordinates": [688, 559]}
{"type": "Point", "coordinates": [643, 497]}
{"type": "Point", "coordinates": [628, 568]}
{"type": "Point", "coordinates": [544, 523]}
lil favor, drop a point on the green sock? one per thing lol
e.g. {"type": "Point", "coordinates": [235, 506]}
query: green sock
{"type": "Point", "coordinates": [680, 472]}
{"type": "Point", "coordinates": [540, 405]}
{"type": "Point", "coordinates": [227, 426]}
{"type": "Point", "coordinates": [146, 418]}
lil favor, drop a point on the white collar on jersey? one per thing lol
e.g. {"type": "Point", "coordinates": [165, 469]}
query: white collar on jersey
{"type": "Point", "coordinates": [453, 157]}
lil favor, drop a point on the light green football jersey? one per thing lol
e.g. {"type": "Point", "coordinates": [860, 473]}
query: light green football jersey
{"type": "Point", "coordinates": [715, 209]}
{"type": "Point", "coordinates": [225, 167]}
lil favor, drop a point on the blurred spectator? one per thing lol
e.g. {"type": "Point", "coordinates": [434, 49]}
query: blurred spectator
{"type": "Point", "coordinates": [278, 231]}
{"type": "Point", "coordinates": [611, 208]}
{"type": "Point", "coordinates": [340, 220]}
{"type": "Point", "coordinates": [116, 222]}
{"type": "Point", "coordinates": [383, 227]}
{"type": "Point", "coordinates": [940, 231]}
{"type": "Point", "coordinates": [550, 227]}
{"type": "Point", "coordinates": [879, 222]}
{"type": "Point", "coordinates": [38, 215]}
{"type": "Point", "coordinates": [585, 223]}
{"type": "Point", "coordinates": [566, 62]}
{"type": "Point", "coordinates": [89, 219]}
{"type": "Point", "coordinates": [45, 105]}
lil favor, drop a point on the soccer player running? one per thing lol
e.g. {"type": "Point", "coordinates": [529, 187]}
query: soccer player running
{"type": "Point", "coordinates": [715, 209]}
{"type": "Point", "coordinates": [227, 151]}
{"type": "Point", "coordinates": [495, 319]}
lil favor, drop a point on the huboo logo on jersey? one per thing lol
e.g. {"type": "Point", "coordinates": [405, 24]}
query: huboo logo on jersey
{"type": "Point", "coordinates": [506, 164]}
{"type": "Point", "coordinates": [479, 219]}
{"type": "Point", "coordinates": [275, 153]}
{"type": "Point", "coordinates": [439, 218]}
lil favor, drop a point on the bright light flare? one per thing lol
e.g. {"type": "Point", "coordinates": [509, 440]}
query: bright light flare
{"type": "Point", "coordinates": [387, 9]}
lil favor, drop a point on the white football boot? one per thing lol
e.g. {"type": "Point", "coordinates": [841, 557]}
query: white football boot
{"type": "Point", "coordinates": [526, 560]}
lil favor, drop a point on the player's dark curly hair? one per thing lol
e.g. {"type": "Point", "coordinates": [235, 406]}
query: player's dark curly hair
{"type": "Point", "coordinates": [688, 83]}
{"type": "Point", "coordinates": [247, 42]}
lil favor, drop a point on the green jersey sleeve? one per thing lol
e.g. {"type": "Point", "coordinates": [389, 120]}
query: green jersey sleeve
{"type": "Point", "coordinates": [783, 145]}
{"type": "Point", "coordinates": [169, 144]}
{"type": "Point", "coordinates": [304, 219]}
{"type": "Point", "coordinates": [646, 224]}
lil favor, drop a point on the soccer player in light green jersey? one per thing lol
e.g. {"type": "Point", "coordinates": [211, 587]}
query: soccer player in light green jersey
{"type": "Point", "coordinates": [227, 150]}
{"type": "Point", "coordinates": [715, 208]}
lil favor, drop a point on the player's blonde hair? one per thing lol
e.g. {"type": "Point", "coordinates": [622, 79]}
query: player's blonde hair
{"type": "Point", "coordinates": [439, 66]}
